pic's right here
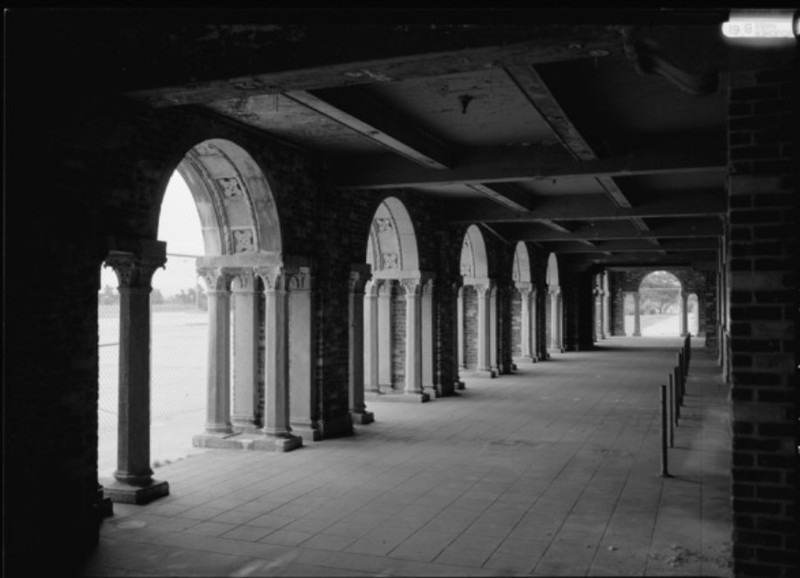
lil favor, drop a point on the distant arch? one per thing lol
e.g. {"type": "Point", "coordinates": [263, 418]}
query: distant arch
{"type": "Point", "coordinates": [551, 278]}
{"type": "Point", "coordinates": [392, 245]}
{"type": "Point", "coordinates": [521, 272]}
{"type": "Point", "coordinates": [474, 258]}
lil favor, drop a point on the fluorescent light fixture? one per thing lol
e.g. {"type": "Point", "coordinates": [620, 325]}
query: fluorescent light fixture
{"type": "Point", "coordinates": [761, 24]}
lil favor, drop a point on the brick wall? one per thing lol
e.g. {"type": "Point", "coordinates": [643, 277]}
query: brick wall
{"type": "Point", "coordinates": [398, 336]}
{"type": "Point", "coordinates": [763, 321]}
{"type": "Point", "coordinates": [470, 297]}
{"type": "Point", "coordinates": [516, 323]}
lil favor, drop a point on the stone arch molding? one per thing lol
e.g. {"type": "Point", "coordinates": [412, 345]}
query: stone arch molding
{"type": "Point", "coordinates": [392, 245]}
{"type": "Point", "coordinates": [234, 200]}
{"type": "Point", "coordinates": [474, 259]}
{"type": "Point", "coordinates": [521, 273]}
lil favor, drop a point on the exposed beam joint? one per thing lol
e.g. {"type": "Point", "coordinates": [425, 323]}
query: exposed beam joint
{"type": "Point", "coordinates": [612, 230]}
{"type": "Point", "coordinates": [360, 112]}
{"type": "Point", "coordinates": [506, 194]}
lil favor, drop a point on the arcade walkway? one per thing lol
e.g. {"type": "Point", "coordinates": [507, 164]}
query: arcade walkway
{"type": "Point", "coordinates": [551, 471]}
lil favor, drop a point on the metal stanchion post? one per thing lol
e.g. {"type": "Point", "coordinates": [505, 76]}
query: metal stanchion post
{"type": "Point", "coordinates": [664, 471]}
{"type": "Point", "coordinates": [671, 400]}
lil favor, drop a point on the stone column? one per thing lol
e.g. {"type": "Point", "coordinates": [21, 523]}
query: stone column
{"type": "Point", "coordinates": [606, 296]}
{"type": "Point", "coordinates": [356, 338]}
{"type": "Point", "coordinates": [134, 483]}
{"type": "Point", "coordinates": [596, 314]}
{"type": "Point", "coordinates": [462, 355]}
{"type": "Point", "coordinates": [555, 318]}
{"type": "Point", "coordinates": [493, 343]}
{"type": "Point", "coordinates": [385, 333]}
{"type": "Point", "coordinates": [525, 322]}
{"type": "Point", "coordinates": [218, 376]}
{"type": "Point", "coordinates": [637, 317]}
{"type": "Point", "coordinates": [303, 406]}
{"type": "Point", "coordinates": [413, 362]}
{"type": "Point", "coordinates": [276, 364]}
{"type": "Point", "coordinates": [484, 328]}
{"type": "Point", "coordinates": [534, 316]}
{"type": "Point", "coordinates": [427, 337]}
{"type": "Point", "coordinates": [371, 336]}
{"type": "Point", "coordinates": [684, 313]}
{"type": "Point", "coordinates": [458, 343]}
{"type": "Point", "coordinates": [245, 351]}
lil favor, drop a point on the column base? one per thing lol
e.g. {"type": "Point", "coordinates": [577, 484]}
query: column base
{"type": "Point", "coordinates": [402, 396]}
{"type": "Point", "coordinates": [122, 493]}
{"type": "Point", "coordinates": [336, 427]}
{"type": "Point", "coordinates": [309, 432]}
{"type": "Point", "coordinates": [212, 440]}
{"type": "Point", "coordinates": [432, 391]}
{"type": "Point", "coordinates": [362, 417]}
{"type": "Point", "coordinates": [459, 385]}
{"type": "Point", "coordinates": [488, 373]}
{"type": "Point", "coordinates": [277, 444]}
{"type": "Point", "coordinates": [246, 427]}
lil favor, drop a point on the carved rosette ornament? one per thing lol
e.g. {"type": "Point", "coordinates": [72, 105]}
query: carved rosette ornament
{"type": "Point", "coordinates": [383, 225]}
{"type": "Point", "coordinates": [243, 240]}
{"type": "Point", "coordinates": [133, 272]}
{"type": "Point", "coordinates": [230, 187]}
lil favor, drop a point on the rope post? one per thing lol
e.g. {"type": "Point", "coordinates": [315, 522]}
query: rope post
{"type": "Point", "coordinates": [664, 426]}
{"type": "Point", "coordinates": [671, 400]}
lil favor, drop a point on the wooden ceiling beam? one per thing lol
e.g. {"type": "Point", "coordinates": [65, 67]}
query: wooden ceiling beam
{"type": "Point", "coordinates": [612, 230]}
{"type": "Point", "coordinates": [596, 208]}
{"type": "Point", "coordinates": [637, 246]}
{"type": "Point", "coordinates": [506, 194]}
{"type": "Point", "coordinates": [513, 164]}
{"type": "Point", "coordinates": [360, 112]}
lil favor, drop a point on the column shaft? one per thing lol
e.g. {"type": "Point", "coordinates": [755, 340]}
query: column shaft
{"type": "Point", "coordinates": [356, 346]}
{"type": "Point", "coordinates": [245, 352]}
{"type": "Point", "coordinates": [462, 356]}
{"type": "Point", "coordinates": [276, 422]}
{"type": "Point", "coordinates": [303, 412]}
{"type": "Point", "coordinates": [413, 361]}
{"type": "Point", "coordinates": [371, 337]}
{"type": "Point", "coordinates": [385, 334]}
{"type": "Point", "coordinates": [218, 412]}
{"type": "Point", "coordinates": [484, 323]}
{"type": "Point", "coordinates": [684, 313]}
{"type": "Point", "coordinates": [525, 323]}
{"type": "Point", "coordinates": [427, 335]}
{"type": "Point", "coordinates": [637, 321]}
{"type": "Point", "coordinates": [493, 344]}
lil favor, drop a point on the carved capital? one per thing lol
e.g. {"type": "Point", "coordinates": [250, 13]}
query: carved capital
{"type": "Point", "coordinates": [385, 288]}
{"type": "Point", "coordinates": [217, 279]}
{"type": "Point", "coordinates": [243, 281]}
{"type": "Point", "coordinates": [358, 281]}
{"type": "Point", "coordinates": [273, 278]}
{"type": "Point", "coordinates": [133, 271]}
{"type": "Point", "coordinates": [524, 290]}
{"type": "Point", "coordinates": [427, 287]}
{"type": "Point", "coordinates": [413, 287]}
{"type": "Point", "coordinates": [372, 287]}
{"type": "Point", "coordinates": [299, 279]}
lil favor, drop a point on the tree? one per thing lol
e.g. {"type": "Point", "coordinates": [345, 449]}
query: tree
{"type": "Point", "coordinates": [660, 293]}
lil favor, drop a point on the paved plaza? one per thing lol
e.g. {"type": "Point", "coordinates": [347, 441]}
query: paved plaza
{"type": "Point", "coordinates": [551, 471]}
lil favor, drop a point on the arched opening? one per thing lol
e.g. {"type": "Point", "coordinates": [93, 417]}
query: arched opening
{"type": "Point", "coordinates": [553, 307]}
{"type": "Point", "coordinates": [523, 307]}
{"type": "Point", "coordinates": [398, 315]}
{"type": "Point", "coordinates": [477, 309]}
{"type": "Point", "coordinates": [219, 221]}
{"type": "Point", "coordinates": [660, 304]}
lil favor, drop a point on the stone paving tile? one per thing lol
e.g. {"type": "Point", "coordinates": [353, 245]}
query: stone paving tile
{"type": "Point", "coordinates": [542, 464]}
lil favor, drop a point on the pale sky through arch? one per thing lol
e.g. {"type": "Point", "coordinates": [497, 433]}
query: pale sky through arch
{"type": "Point", "coordinates": [179, 225]}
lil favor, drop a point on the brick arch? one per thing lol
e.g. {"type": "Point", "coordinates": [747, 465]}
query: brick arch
{"type": "Point", "coordinates": [234, 200]}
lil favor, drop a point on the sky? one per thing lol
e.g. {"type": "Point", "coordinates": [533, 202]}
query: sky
{"type": "Point", "coordinates": [179, 226]}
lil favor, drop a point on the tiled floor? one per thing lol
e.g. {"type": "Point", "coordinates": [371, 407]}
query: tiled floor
{"type": "Point", "coordinates": [550, 471]}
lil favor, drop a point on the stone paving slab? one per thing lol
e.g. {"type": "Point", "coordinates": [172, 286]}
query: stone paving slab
{"type": "Point", "coordinates": [550, 471]}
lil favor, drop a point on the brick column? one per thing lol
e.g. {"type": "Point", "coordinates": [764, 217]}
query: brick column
{"type": "Point", "coordinates": [356, 342]}
{"type": "Point", "coordinates": [245, 351]}
{"type": "Point", "coordinates": [276, 364]}
{"type": "Point", "coordinates": [371, 336]}
{"type": "Point", "coordinates": [762, 277]}
{"type": "Point", "coordinates": [134, 483]}
{"type": "Point", "coordinates": [637, 316]}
